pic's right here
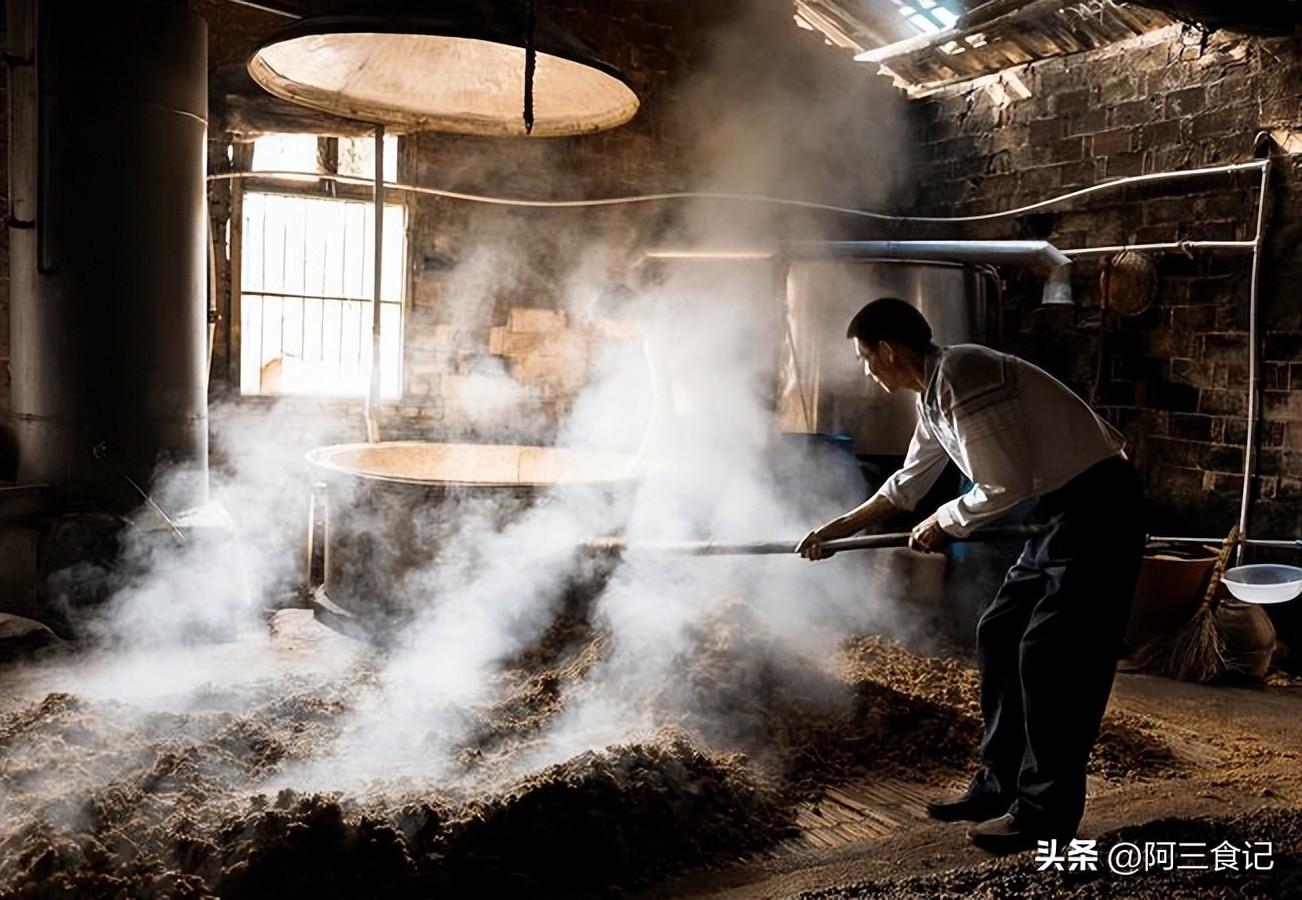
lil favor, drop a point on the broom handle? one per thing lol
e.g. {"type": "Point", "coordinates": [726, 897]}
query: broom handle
{"type": "Point", "coordinates": [1218, 570]}
{"type": "Point", "coordinates": [777, 548]}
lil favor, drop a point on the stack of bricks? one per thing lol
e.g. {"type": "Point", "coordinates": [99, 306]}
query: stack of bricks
{"type": "Point", "coordinates": [1176, 377]}
{"type": "Point", "coordinates": [541, 350]}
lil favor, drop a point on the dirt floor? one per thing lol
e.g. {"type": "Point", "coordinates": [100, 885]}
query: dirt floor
{"type": "Point", "coordinates": [102, 796]}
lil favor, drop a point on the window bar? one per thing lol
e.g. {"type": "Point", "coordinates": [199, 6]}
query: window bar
{"type": "Point", "coordinates": [284, 258]}
{"type": "Point", "coordinates": [302, 303]}
{"type": "Point", "coordinates": [262, 301]}
{"type": "Point", "coordinates": [343, 288]}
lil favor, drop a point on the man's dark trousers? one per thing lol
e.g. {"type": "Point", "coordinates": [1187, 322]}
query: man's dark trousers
{"type": "Point", "coordinates": [1048, 643]}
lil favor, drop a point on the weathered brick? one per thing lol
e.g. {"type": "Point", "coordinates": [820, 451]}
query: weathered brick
{"type": "Point", "coordinates": [1223, 403]}
{"type": "Point", "coordinates": [1233, 89]}
{"type": "Point", "coordinates": [1193, 318]}
{"type": "Point", "coordinates": [1043, 131]}
{"type": "Point", "coordinates": [1090, 122]}
{"type": "Point", "coordinates": [526, 319]}
{"type": "Point", "coordinates": [1282, 406]}
{"type": "Point", "coordinates": [1185, 370]}
{"type": "Point", "coordinates": [1077, 174]}
{"type": "Point", "coordinates": [1067, 150]}
{"type": "Point", "coordinates": [1223, 458]}
{"type": "Point", "coordinates": [1136, 112]}
{"type": "Point", "coordinates": [1191, 427]}
{"type": "Point", "coordinates": [1218, 123]}
{"type": "Point", "coordinates": [1108, 143]}
{"type": "Point", "coordinates": [1157, 134]}
{"type": "Point", "coordinates": [1227, 230]}
{"type": "Point", "coordinates": [1223, 483]}
{"type": "Point", "coordinates": [1119, 86]}
{"type": "Point", "coordinates": [1191, 454]}
{"type": "Point", "coordinates": [1219, 347]}
{"type": "Point", "coordinates": [1068, 102]}
{"type": "Point", "coordinates": [1040, 179]}
{"type": "Point", "coordinates": [1185, 102]}
{"type": "Point", "coordinates": [1125, 165]}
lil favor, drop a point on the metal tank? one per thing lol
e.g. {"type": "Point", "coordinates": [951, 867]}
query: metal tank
{"type": "Point", "coordinates": [391, 514]}
{"type": "Point", "coordinates": [825, 388]}
{"type": "Point", "coordinates": [107, 255]}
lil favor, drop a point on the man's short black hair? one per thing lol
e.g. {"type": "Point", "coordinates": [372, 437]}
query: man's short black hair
{"type": "Point", "coordinates": [891, 319]}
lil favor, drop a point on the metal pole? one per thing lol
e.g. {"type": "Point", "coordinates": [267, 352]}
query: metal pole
{"type": "Point", "coordinates": [1181, 246]}
{"type": "Point", "coordinates": [1254, 364]}
{"type": "Point", "coordinates": [373, 397]}
{"type": "Point", "coordinates": [615, 545]}
{"type": "Point", "coordinates": [275, 9]}
{"type": "Point", "coordinates": [1216, 541]}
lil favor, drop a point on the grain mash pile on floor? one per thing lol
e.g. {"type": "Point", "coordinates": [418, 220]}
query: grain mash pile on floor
{"type": "Point", "coordinates": [101, 798]}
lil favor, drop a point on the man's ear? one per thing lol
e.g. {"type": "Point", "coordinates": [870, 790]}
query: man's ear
{"type": "Point", "coordinates": [886, 351]}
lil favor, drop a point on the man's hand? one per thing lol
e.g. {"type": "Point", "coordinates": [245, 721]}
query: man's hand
{"type": "Point", "coordinates": [811, 548]}
{"type": "Point", "coordinates": [928, 536]}
{"type": "Point", "coordinates": [869, 514]}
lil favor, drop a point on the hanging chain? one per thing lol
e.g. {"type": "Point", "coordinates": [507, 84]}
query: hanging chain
{"type": "Point", "coordinates": [530, 64]}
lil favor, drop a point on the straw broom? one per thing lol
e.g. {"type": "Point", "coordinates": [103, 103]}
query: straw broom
{"type": "Point", "coordinates": [1196, 651]}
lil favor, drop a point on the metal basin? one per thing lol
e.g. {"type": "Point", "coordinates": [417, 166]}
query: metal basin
{"type": "Point", "coordinates": [388, 510]}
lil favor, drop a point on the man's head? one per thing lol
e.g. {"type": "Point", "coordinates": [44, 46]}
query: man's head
{"type": "Point", "coordinates": [890, 337]}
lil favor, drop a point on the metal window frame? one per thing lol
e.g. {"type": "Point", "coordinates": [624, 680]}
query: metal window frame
{"type": "Point", "coordinates": [321, 189]}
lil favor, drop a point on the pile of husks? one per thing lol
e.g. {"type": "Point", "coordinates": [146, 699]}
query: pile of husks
{"type": "Point", "coordinates": [99, 799]}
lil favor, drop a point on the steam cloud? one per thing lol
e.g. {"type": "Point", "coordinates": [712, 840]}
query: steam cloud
{"type": "Point", "coordinates": [688, 379]}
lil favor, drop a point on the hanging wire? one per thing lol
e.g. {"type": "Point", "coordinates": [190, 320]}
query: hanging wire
{"type": "Point", "coordinates": [530, 64]}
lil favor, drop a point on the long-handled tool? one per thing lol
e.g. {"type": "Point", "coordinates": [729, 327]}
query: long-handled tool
{"type": "Point", "coordinates": [614, 545]}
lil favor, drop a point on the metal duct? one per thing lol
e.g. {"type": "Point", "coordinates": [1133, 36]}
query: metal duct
{"type": "Point", "coordinates": [1039, 256]}
{"type": "Point", "coordinates": [107, 256]}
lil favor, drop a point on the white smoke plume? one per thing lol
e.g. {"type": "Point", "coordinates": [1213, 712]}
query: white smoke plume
{"type": "Point", "coordinates": [685, 386]}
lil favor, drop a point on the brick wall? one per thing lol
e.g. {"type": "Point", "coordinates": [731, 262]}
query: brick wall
{"type": "Point", "coordinates": [1175, 377]}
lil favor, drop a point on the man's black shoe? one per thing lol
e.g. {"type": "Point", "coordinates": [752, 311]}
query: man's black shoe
{"type": "Point", "coordinates": [1007, 834]}
{"type": "Point", "coordinates": [969, 808]}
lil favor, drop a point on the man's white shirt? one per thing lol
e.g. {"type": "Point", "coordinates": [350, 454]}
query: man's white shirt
{"type": "Point", "coordinates": [1013, 429]}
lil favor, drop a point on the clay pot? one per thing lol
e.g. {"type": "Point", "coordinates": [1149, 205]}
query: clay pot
{"type": "Point", "coordinates": [1249, 637]}
{"type": "Point", "coordinates": [1170, 588]}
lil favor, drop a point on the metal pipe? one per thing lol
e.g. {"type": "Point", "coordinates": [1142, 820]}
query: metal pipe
{"type": "Point", "coordinates": [1040, 256]}
{"type": "Point", "coordinates": [1152, 178]}
{"type": "Point", "coordinates": [212, 294]}
{"type": "Point", "coordinates": [1182, 246]}
{"type": "Point", "coordinates": [275, 9]}
{"type": "Point", "coordinates": [1215, 541]}
{"type": "Point", "coordinates": [373, 396]}
{"type": "Point", "coordinates": [1254, 362]}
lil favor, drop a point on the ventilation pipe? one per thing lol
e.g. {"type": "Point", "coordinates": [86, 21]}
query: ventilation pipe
{"type": "Point", "coordinates": [1038, 256]}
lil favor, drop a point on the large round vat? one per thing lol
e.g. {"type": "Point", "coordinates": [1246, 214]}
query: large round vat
{"type": "Point", "coordinates": [389, 514]}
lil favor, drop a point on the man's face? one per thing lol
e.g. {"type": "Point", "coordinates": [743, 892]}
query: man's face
{"type": "Point", "coordinates": [880, 363]}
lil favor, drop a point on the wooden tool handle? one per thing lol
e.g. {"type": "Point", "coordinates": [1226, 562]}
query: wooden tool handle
{"type": "Point", "coordinates": [778, 548]}
{"type": "Point", "coordinates": [1218, 570]}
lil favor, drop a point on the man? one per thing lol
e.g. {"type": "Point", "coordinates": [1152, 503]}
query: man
{"type": "Point", "coordinates": [1048, 642]}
